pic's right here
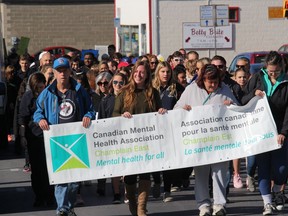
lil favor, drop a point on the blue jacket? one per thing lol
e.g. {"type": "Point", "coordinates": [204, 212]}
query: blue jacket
{"type": "Point", "coordinates": [47, 105]}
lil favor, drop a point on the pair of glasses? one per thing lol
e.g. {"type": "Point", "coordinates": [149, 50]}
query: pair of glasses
{"type": "Point", "coordinates": [115, 82]}
{"type": "Point", "coordinates": [153, 62]}
{"type": "Point", "coordinates": [240, 66]}
{"type": "Point", "coordinates": [220, 66]}
{"type": "Point", "coordinates": [177, 59]}
{"type": "Point", "coordinates": [102, 83]}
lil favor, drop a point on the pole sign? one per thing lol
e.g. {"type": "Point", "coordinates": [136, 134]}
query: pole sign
{"type": "Point", "coordinates": [207, 15]}
{"type": "Point", "coordinates": [222, 15]}
{"type": "Point", "coordinates": [197, 37]}
{"type": "Point", "coordinates": [214, 15]}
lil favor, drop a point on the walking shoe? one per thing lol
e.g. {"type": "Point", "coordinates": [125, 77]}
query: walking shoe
{"type": "Point", "coordinates": [62, 213]}
{"type": "Point", "coordinates": [279, 201]}
{"type": "Point", "coordinates": [27, 168]}
{"type": "Point", "coordinates": [237, 182]}
{"type": "Point", "coordinates": [79, 200]}
{"type": "Point", "coordinates": [167, 197]}
{"type": "Point", "coordinates": [205, 211]}
{"type": "Point", "coordinates": [186, 183]}
{"type": "Point", "coordinates": [284, 196]}
{"type": "Point", "coordinates": [117, 199]}
{"type": "Point", "coordinates": [250, 184]}
{"type": "Point", "coordinates": [175, 189]}
{"type": "Point", "coordinates": [71, 213]}
{"type": "Point", "coordinates": [268, 209]}
{"type": "Point", "coordinates": [126, 200]}
{"type": "Point", "coordinates": [156, 191]}
{"type": "Point", "coordinates": [219, 210]}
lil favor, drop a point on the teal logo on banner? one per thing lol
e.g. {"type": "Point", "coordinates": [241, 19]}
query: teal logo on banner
{"type": "Point", "coordinates": [69, 152]}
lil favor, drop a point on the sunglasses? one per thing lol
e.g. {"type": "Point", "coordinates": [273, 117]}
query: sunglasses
{"type": "Point", "coordinates": [102, 83]}
{"type": "Point", "coordinates": [219, 66]}
{"type": "Point", "coordinates": [240, 66]}
{"type": "Point", "coordinates": [153, 62]}
{"type": "Point", "coordinates": [177, 59]}
{"type": "Point", "coordinates": [115, 82]}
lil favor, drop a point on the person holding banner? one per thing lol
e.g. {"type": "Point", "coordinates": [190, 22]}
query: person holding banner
{"type": "Point", "coordinates": [137, 97]}
{"type": "Point", "coordinates": [209, 89]}
{"type": "Point", "coordinates": [64, 101]}
{"type": "Point", "coordinates": [170, 91]}
{"type": "Point", "coordinates": [272, 81]}
{"type": "Point", "coordinates": [105, 110]}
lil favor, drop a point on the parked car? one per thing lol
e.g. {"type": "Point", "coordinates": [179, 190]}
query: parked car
{"type": "Point", "coordinates": [57, 51]}
{"type": "Point", "coordinates": [283, 48]}
{"type": "Point", "coordinates": [257, 60]}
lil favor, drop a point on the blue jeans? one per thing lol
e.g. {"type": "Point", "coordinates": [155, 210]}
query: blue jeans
{"type": "Point", "coordinates": [65, 195]}
{"type": "Point", "coordinates": [272, 166]}
{"type": "Point", "coordinates": [251, 165]}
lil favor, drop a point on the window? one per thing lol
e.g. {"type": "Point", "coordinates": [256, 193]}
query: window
{"type": "Point", "coordinates": [233, 14]}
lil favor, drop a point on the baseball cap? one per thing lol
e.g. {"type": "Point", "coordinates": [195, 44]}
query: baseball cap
{"type": "Point", "coordinates": [61, 62]}
{"type": "Point", "coordinates": [123, 64]}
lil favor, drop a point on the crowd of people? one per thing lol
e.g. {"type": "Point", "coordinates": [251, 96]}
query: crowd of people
{"type": "Point", "coordinates": [50, 91]}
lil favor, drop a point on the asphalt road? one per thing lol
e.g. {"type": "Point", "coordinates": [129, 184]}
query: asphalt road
{"type": "Point", "coordinates": [16, 196]}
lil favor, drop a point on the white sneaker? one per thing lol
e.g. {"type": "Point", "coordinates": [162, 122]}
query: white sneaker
{"type": "Point", "coordinates": [219, 210]}
{"type": "Point", "coordinates": [167, 197]}
{"type": "Point", "coordinates": [268, 209]}
{"type": "Point", "coordinates": [205, 211]}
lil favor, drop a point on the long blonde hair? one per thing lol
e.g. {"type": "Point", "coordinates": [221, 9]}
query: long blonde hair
{"type": "Point", "coordinates": [129, 89]}
{"type": "Point", "coordinates": [157, 82]}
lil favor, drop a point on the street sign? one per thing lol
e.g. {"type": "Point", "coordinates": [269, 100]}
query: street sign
{"type": "Point", "coordinates": [222, 22]}
{"type": "Point", "coordinates": [206, 12]}
{"type": "Point", "coordinates": [117, 22]}
{"type": "Point", "coordinates": [222, 15]}
{"type": "Point", "coordinates": [211, 15]}
{"type": "Point", "coordinates": [206, 23]}
{"type": "Point", "coordinates": [207, 15]}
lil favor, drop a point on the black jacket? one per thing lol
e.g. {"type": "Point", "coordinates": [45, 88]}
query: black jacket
{"type": "Point", "coordinates": [278, 101]}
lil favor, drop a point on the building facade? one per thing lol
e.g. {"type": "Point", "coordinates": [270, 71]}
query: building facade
{"type": "Point", "coordinates": [160, 26]}
{"type": "Point", "coordinates": [80, 24]}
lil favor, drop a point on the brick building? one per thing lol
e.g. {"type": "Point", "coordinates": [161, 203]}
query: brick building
{"type": "Point", "coordinates": [78, 23]}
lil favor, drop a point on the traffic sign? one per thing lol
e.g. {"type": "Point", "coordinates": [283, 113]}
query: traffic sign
{"type": "Point", "coordinates": [206, 12]}
{"type": "Point", "coordinates": [222, 22]}
{"type": "Point", "coordinates": [206, 23]}
{"type": "Point", "coordinates": [222, 15]}
{"type": "Point", "coordinates": [207, 15]}
{"type": "Point", "coordinates": [222, 11]}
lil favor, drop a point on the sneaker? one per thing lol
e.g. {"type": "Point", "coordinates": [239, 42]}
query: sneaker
{"type": "Point", "coordinates": [26, 168]}
{"type": "Point", "coordinates": [117, 199]}
{"type": "Point", "coordinates": [156, 191]}
{"type": "Point", "coordinates": [279, 201]}
{"type": "Point", "coordinates": [285, 197]}
{"type": "Point", "coordinates": [71, 213]}
{"type": "Point", "coordinates": [219, 210]}
{"type": "Point", "coordinates": [205, 211]}
{"type": "Point", "coordinates": [237, 182]}
{"type": "Point", "coordinates": [126, 200]}
{"type": "Point", "coordinates": [268, 209]}
{"type": "Point", "coordinates": [167, 197]}
{"type": "Point", "coordinates": [79, 200]}
{"type": "Point", "coordinates": [186, 183]}
{"type": "Point", "coordinates": [250, 183]}
{"type": "Point", "coordinates": [62, 213]}
{"type": "Point", "coordinates": [175, 189]}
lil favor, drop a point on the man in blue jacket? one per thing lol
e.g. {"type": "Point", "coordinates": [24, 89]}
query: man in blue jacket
{"type": "Point", "coordinates": [62, 102]}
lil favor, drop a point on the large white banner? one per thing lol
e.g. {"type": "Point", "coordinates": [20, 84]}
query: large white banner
{"type": "Point", "coordinates": [153, 142]}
